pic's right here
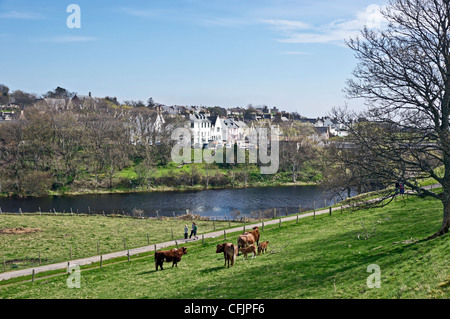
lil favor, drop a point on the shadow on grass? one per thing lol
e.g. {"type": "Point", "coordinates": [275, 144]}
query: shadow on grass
{"type": "Point", "coordinates": [210, 270]}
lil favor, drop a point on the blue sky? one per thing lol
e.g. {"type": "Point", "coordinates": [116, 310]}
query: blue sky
{"type": "Point", "coordinates": [284, 53]}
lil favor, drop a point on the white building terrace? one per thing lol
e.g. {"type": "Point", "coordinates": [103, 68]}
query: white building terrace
{"type": "Point", "coordinates": [216, 130]}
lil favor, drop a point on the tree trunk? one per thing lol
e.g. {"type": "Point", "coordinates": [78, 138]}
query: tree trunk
{"type": "Point", "coordinates": [446, 220]}
{"type": "Point", "coordinates": [294, 174]}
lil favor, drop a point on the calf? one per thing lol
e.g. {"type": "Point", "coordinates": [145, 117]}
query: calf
{"type": "Point", "coordinates": [173, 255]}
{"type": "Point", "coordinates": [247, 250]}
{"type": "Point", "coordinates": [229, 252]}
{"type": "Point", "coordinates": [262, 247]}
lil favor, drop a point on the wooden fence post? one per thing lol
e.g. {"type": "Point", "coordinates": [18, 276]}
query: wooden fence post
{"type": "Point", "coordinates": [203, 239]}
{"type": "Point", "coordinates": [330, 210]}
{"type": "Point", "coordinates": [224, 234]}
{"type": "Point", "coordinates": [280, 223]}
{"type": "Point", "coordinates": [263, 225]}
{"type": "Point", "coordinates": [148, 239]}
{"type": "Point", "coordinates": [32, 276]}
{"type": "Point", "coordinates": [101, 261]}
{"type": "Point", "coordinates": [297, 218]}
{"type": "Point", "coordinates": [128, 254]}
{"type": "Point", "coordinates": [314, 208]}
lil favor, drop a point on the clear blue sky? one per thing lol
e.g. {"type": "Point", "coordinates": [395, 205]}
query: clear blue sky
{"type": "Point", "coordinates": [283, 53]}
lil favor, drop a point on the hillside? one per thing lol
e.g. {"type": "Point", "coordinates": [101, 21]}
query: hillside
{"type": "Point", "coordinates": [322, 258]}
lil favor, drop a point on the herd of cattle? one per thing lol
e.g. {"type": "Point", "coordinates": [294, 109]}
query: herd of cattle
{"type": "Point", "coordinates": [245, 244]}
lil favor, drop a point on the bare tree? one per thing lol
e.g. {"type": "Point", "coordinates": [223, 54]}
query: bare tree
{"type": "Point", "coordinates": [298, 149]}
{"type": "Point", "coordinates": [404, 76]}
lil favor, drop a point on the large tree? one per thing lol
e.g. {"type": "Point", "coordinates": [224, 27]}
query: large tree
{"type": "Point", "coordinates": [403, 74]}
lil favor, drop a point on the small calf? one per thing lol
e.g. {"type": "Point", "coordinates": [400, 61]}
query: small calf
{"type": "Point", "coordinates": [247, 250]}
{"type": "Point", "coordinates": [262, 247]}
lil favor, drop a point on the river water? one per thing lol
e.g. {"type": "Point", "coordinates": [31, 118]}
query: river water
{"type": "Point", "coordinates": [217, 204]}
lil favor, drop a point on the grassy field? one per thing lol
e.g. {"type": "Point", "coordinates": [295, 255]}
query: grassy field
{"type": "Point", "coordinates": [58, 234]}
{"type": "Point", "coordinates": [323, 258]}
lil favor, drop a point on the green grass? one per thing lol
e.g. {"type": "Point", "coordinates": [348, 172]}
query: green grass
{"type": "Point", "coordinates": [320, 258]}
{"type": "Point", "coordinates": [61, 232]}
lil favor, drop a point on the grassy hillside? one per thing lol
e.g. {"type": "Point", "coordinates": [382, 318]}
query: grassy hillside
{"type": "Point", "coordinates": [323, 258]}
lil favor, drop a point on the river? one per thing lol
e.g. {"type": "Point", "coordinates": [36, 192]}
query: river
{"type": "Point", "coordinates": [218, 203]}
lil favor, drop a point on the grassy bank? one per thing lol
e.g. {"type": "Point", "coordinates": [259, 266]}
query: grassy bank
{"type": "Point", "coordinates": [172, 177]}
{"type": "Point", "coordinates": [322, 258]}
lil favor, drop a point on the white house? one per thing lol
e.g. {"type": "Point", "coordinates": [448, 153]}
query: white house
{"type": "Point", "coordinates": [200, 128]}
{"type": "Point", "coordinates": [219, 131]}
